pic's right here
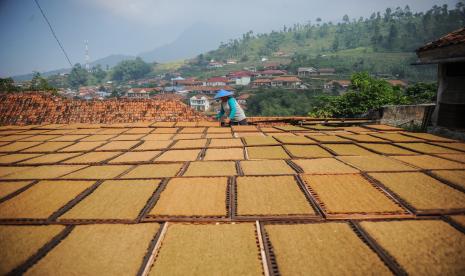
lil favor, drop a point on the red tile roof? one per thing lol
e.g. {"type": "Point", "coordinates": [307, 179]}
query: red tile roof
{"type": "Point", "coordinates": [239, 74]}
{"type": "Point", "coordinates": [455, 37]}
{"type": "Point", "coordinates": [189, 82]}
{"type": "Point", "coordinates": [37, 108]}
{"type": "Point", "coordinates": [209, 88]}
{"type": "Point", "coordinates": [261, 81]}
{"type": "Point", "coordinates": [218, 79]}
{"type": "Point", "coordinates": [273, 72]}
{"type": "Point", "coordinates": [287, 79]}
{"type": "Point", "coordinates": [397, 82]}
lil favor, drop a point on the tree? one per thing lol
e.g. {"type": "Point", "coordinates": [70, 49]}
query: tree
{"type": "Point", "coordinates": [365, 94]}
{"type": "Point", "coordinates": [38, 83]}
{"type": "Point", "coordinates": [58, 81]}
{"type": "Point", "coordinates": [98, 73]}
{"type": "Point", "coordinates": [346, 19]}
{"type": "Point", "coordinates": [335, 45]}
{"type": "Point", "coordinates": [7, 85]}
{"type": "Point", "coordinates": [130, 70]}
{"type": "Point", "coordinates": [78, 76]}
{"type": "Point", "coordinates": [422, 92]}
{"type": "Point", "coordinates": [392, 37]}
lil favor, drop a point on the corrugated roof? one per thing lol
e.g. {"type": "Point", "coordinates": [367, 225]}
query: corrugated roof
{"type": "Point", "coordinates": [158, 197]}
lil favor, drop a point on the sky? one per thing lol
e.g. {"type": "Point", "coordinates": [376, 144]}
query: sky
{"type": "Point", "coordinates": [133, 26]}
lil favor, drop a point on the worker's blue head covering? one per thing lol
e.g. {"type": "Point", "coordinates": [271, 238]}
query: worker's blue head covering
{"type": "Point", "coordinates": [223, 93]}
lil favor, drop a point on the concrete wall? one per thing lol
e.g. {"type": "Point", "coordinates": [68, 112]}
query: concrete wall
{"type": "Point", "coordinates": [450, 110]}
{"type": "Point", "coordinates": [400, 115]}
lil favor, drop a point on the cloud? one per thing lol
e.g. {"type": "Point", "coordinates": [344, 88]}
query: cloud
{"type": "Point", "coordinates": [154, 13]}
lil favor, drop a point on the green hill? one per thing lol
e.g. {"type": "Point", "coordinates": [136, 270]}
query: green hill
{"type": "Point", "coordinates": [384, 43]}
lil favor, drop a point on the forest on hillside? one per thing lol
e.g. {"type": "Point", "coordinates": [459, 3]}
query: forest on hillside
{"type": "Point", "coordinates": [382, 43]}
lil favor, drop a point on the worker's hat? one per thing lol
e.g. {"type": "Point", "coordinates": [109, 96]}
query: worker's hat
{"type": "Point", "coordinates": [223, 93]}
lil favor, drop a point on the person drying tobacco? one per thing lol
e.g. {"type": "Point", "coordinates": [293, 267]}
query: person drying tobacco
{"type": "Point", "coordinates": [230, 109]}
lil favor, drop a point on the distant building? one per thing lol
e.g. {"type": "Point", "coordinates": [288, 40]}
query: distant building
{"type": "Point", "coordinates": [326, 71]}
{"type": "Point", "coordinates": [209, 90]}
{"type": "Point", "coordinates": [241, 77]}
{"type": "Point", "coordinates": [276, 64]}
{"type": "Point", "coordinates": [280, 54]}
{"type": "Point", "coordinates": [87, 92]}
{"type": "Point", "coordinates": [242, 99]}
{"type": "Point", "coordinates": [286, 81]}
{"type": "Point", "coordinates": [271, 73]}
{"type": "Point", "coordinates": [307, 71]}
{"type": "Point", "coordinates": [214, 64]}
{"type": "Point", "coordinates": [245, 80]}
{"type": "Point", "coordinates": [200, 102]}
{"type": "Point", "coordinates": [231, 61]}
{"type": "Point", "coordinates": [103, 94]}
{"type": "Point", "coordinates": [261, 83]}
{"type": "Point", "coordinates": [449, 53]}
{"type": "Point", "coordinates": [217, 81]}
{"type": "Point", "coordinates": [139, 93]}
{"type": "Point", "coordinates": [187, 82]}
{"type": "Point", "coordinates": [338, 84]}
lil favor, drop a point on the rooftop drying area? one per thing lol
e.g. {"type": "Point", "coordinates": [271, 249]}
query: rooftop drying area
{"type": "Point", "coordinates": [194, 198]}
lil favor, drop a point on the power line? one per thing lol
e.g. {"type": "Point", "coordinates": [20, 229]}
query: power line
{"type": "Point", "coordinates": [53, 33]}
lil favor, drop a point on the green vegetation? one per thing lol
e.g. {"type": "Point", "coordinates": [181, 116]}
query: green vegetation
{"type": "Point", "coordinates": [422, 93]}
{"type": "Point", "coordinates": [78, 76]}
{"type": "Point", "coordinates": [275, 101]}
{"type": "Point", "coordinates": [38, 83]}
{"type": "Point", "coordinates": [381, 44]}
{"type": "Point", "coordinates": [365, 93]}
{"type": "Point", "coordinates": [130, 70]}
{"type": "Point", "coordinates": [7, 84]}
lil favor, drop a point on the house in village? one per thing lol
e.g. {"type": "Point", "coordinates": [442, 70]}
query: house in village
{"type": "Point", "coordinates": [261, 83]}
{"type": "Point", "coordinates": [449, 53]}
{"type": "Point", "coordinates": [274, 65]}
{"type": "Point", "coordinates": [87, 92]}
{"type": "Point", "coordinates": [326, 71]}
{"type": "Point", "coordinates": [286, 81]}
{"type": "Point", "coordinates": [140, 93]}
{"type": "Point", "coordinates": [231, 61]}
{"type": "Point", "coordinates": [217, 81]}
{"type": "Point", "coordinates": [281, 54]}
{"type": "Point", "coordinates": [208, 90]}
{"type": "Point", "coordinates": [240, 77]}
{"type": "Point", "coordinates": [339, 85]}
{"type": "Point", "coordinates": [242, 100]}
{"type": "Point", "coordinates": [307, 72]}
{"type": "Point", "coordinates": [271, 73]}
{"type": "Point", "coordinates": [187, 82]}
{"type": "Point", "coordinates": [200, 102]}
{"type": "Point", "coordinates": [214, 64]}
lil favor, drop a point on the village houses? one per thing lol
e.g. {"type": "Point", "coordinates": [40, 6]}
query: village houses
{"type": "Point", "coordinates": [200, 102]}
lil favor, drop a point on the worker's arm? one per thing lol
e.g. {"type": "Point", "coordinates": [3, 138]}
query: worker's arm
{"type": "Point", "coordinates": [232, 107]}
{"type": "Point", "coordinates": [221, 113]}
